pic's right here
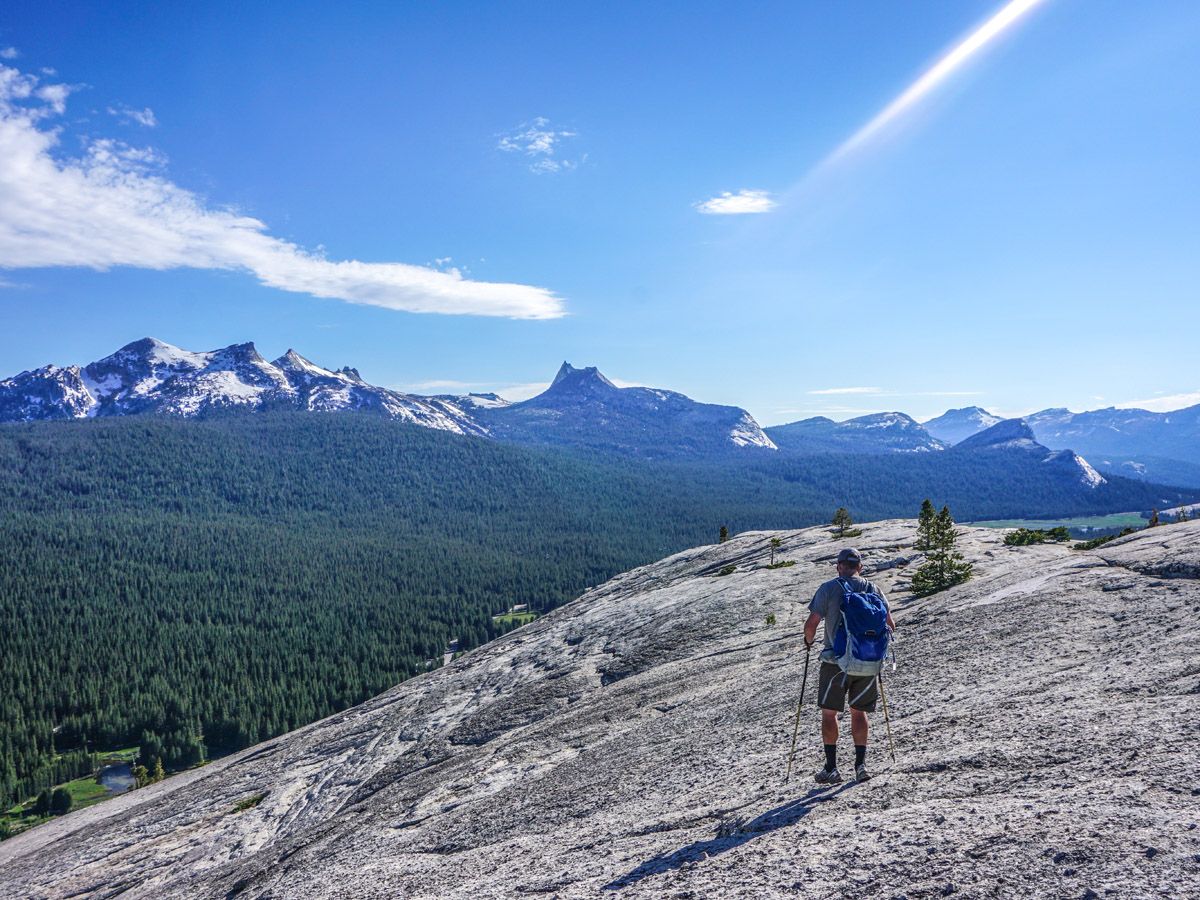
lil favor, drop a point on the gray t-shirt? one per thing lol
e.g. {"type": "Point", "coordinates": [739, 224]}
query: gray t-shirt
{"type": "Point", "coordinates": [827, 602]}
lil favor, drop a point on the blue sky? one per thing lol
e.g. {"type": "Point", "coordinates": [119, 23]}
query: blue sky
{"type": "Point", "coordinates": [541, 182]}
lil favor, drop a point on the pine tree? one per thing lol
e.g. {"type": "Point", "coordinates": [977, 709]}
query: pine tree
{"type": "Point", "coordinates": [776, 543]}
{"type": "Point", "coordinates": [159, 772]}
{"type": "Point", "coordinates": [925, 525]}
{"type": "Point", "coordinates": [42, 806]}
{"type": "Point", "coordinates": [724, 534]}
{"type": "Point", "coordinates": [141, 776]}
{"type": "Point", "coordinates": [61, 801]}
{"type": "Point", "coordinates": [1153, 519]}
{"type": "Point", "coordinates": [944, 566]}
{"type": "Point", "coordinates": [842, 520]}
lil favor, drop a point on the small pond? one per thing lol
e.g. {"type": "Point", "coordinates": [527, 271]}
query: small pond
{"type": "Point", "coordinates": [117, 778]}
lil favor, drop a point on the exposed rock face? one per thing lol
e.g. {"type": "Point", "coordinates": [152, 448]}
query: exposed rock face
{"type": "Point", "coordinates": [633, 744]}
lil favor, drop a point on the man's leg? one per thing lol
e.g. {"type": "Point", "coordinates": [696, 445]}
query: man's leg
{"type": "Point", "coordinates": [829, 726]}
{"type": "Point", "coordinates": [829, 736]}
{"type": "Point", "coordinates": [858, 727]}
{"type": "Point", "coordinates": [831, 698]}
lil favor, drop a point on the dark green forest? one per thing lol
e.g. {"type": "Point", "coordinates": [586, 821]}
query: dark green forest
{"type": "Point", "coordinates": [194, 587]}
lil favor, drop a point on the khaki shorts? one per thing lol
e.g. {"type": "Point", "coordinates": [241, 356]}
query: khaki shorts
{"type": "Point", "coordinates": [834, 686]}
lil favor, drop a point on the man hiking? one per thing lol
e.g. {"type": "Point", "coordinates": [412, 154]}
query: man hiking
{"type": "Point", "coordinates": [835, 687]}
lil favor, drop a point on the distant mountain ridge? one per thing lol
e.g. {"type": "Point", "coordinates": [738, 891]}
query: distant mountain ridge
{"type": "Point", "coordinates": [1015, 436]}
{"type": "Point", "coordinates": [955, 425]}
{"type": "Point", "coordinates": [1136, 443]}
{"type": "Point", "coordinates": [153, 377]}
{"type": "Point", "coordinates": [889, 432]}
{"type": "Point", "coordinates": [580, 408]}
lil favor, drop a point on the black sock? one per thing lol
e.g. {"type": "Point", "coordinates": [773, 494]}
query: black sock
{"type": "Point", "coordinates": [830, 757]}
{"type": "Point", "coordinates": [860, 754]}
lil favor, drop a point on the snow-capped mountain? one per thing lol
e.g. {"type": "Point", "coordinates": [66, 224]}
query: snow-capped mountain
{"type": "Point", "coordinates": [955, 425]}
{"type": "Point", "coordinates": [1015, 436]}
{"type": "Point", "coordinates": [889, 432]}
{"type": "Point", "coordinates": [50, 392]}
{"type": "Point", "coordinates": [150, 376]}
{"type": "Point", "coordinates": [583, 408]}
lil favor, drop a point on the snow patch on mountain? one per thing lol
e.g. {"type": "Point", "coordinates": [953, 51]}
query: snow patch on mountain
{"type": "Point", "coordinates": [1087, 475]}
{"type": "Point", "coordinates": [748, 433]}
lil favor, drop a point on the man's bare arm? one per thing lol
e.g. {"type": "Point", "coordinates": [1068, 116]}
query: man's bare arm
{"type": "Point", "coordinates": [810, 628]}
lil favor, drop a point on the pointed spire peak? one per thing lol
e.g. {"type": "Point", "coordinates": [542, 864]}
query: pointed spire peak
{"type": "Point", "coordinates": [567, 373]}
{"type": "Point", "coordinates": [294, 362]}
{"type": "Point", "coordinates": [292, 359]}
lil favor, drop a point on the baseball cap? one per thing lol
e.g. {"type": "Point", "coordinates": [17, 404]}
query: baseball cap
{"type": "Point", "coordinates": [849, 555]}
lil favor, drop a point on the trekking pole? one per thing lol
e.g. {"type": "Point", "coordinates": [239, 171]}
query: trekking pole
{"type": "Point", "coordinates": [799, 706]}
{"type": "Point", "coordinates": [886, 721]}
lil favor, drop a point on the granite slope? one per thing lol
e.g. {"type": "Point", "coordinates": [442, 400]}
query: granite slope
{"type": "Point", "coordinates": [633, 744]}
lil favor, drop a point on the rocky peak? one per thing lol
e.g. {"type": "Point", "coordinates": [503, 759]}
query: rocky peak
{"type": "Point", "coordinates": [570, 377]}
{"type": "Point", "coordinates": [1010, 433]}
{"type": "Point", "coordinates": [883, 420]}
{"type": "Point", "coordinates": [294, 364]}
{"type": "Point", "coordinates": [955, 425]}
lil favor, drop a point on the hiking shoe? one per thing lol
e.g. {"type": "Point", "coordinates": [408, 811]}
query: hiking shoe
{"type": "Point", "coordinates": [861, 773]}
{"type": "Point", "coordinates": [828, 776]}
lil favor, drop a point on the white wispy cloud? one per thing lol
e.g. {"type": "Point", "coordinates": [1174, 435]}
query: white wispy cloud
{"type": "Point", "coordinates": [541, 142]}
{"type": "Point", "coordinates": [518, 392]}
{"type": "Point", "coordinates": [144, 116]}
{"type": "Point", "coordinates": [9, 53]}
{"type": "Point", "coordinates": [942, 394]}
{"type": "Point", "coordinates": [789, 414]}
{"type": "Point", "coordinates": [882, 393]}
{"type": "Point", "coordinates": [1163, 402]}
{"type": "Point", "coordinates": [742, 203]}
{"type": "Point", "coordinates": [848, 390]}
{"type": "Point", "coordinates": [114, 206]}
{"type": "Point", "coordinates": [438, 386]}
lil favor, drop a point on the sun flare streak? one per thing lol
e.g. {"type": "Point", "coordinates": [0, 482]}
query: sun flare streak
{"type": "Point", "coordinates": [1006, 18]}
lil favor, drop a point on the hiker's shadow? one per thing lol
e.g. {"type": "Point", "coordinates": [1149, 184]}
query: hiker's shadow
{"type": "Point", "coordinates": [740, 833]}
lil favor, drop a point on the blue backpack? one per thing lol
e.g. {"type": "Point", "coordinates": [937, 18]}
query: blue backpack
{"type": "Point", "coordinates": [860, 644]}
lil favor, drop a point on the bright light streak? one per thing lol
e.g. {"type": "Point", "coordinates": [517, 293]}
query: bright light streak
{"type": "Point", "coordinates": [1013, 11]}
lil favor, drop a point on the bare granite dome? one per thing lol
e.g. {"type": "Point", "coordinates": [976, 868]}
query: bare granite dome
{"type": "Point", "coordinates": [633, 744]}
